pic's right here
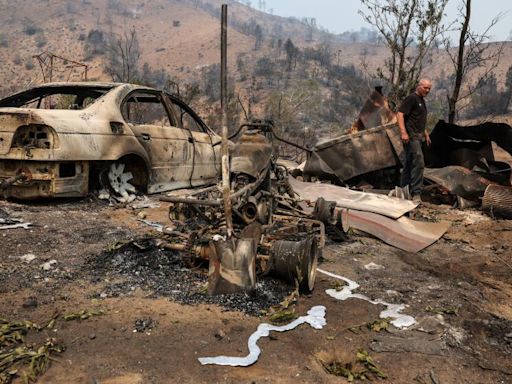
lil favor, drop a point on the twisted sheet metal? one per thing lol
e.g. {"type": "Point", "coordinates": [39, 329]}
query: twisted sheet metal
{"type": "Point", "coordinates": [404, 233]}
{"type": "Point", "coordinates": [346, 198]}
{"type": "Point", "coordinates": [360, 153]}
{"type": "Point", "coordinates": [378, 215]}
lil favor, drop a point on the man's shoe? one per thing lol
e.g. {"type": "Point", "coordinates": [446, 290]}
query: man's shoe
{"type": "Point", "coordinates": [416, 199]}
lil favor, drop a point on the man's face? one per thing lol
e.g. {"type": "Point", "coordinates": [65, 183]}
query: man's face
{"type": "Point", "coordinates": [424, 88]}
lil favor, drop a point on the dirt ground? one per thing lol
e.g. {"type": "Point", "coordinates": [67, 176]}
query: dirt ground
{"type": "Point", "coordinates": [158, 320]}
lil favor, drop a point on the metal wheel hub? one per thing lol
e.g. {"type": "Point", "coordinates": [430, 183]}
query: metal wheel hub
{"type": "Point", "coordinates": [119, 181]}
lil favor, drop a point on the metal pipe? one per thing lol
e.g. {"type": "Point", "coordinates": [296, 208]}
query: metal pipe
{"type": "Point", "coordinates": [223, 103]}
{"type": "Point", "coordinates": [187, 200]}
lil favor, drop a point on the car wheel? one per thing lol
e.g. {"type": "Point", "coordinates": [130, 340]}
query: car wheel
{"type": "Point", "coordinates": [116, 179]}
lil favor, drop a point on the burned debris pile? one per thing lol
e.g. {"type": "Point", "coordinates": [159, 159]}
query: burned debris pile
{"type": "Point", "coordinates": [143, 264]}
{"type": "Point", "coordinates": [269, 233]}
{"type": "Point", "coordinates": [466, 166]}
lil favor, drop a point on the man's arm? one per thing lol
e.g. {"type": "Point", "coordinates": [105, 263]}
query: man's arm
{"type": "Point", "coordinates": [401, 124]}
{"type": "Point", "coordinates": [427, 138]}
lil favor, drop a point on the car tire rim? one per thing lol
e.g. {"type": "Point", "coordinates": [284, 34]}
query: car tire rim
{"type": "Point", "coordinates": [119, 182]}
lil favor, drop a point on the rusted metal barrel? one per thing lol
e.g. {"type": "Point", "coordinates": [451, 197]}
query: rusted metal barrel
{"type": "Point", "coordinates": [497, 201]}
{"type": "Point", "coordinates": [295, 261]}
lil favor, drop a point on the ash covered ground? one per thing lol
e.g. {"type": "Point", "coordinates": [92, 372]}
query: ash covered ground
{"type": "Point", "coordinates": [458, 290]}
{"type": "Point", "coordinates": [141, 264]}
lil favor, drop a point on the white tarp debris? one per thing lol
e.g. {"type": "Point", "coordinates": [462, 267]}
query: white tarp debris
{"type": "Point", "coordinates": [14, 226]}
{"type": "Point", "coordinates": [315, 318]}
{"type": "Point", "coordinates": [28, 257]}
{"type": "Point", "coordinates": [372, 266]}
{"type": "Point", "coordinates": [392, 310]}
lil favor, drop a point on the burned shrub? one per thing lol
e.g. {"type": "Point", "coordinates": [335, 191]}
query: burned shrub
{"type": "Point", "coordinates": [95, 43]}
{"type": "Point", "coordinates": [29, 27]}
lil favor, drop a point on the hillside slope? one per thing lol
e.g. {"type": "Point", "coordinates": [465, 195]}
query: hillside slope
{"type": "Point", "coordinates": [181, 40]}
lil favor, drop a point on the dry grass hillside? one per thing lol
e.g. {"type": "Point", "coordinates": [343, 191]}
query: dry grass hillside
{"type": "Point", "coordinates": [175, 35]}
{"type": "Point", "coordinates": [28, 28]}
{"type": "Point", "coordinates": [181, 37]}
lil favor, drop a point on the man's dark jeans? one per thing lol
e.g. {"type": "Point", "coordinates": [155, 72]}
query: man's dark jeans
{"type": "Point", "coordinates": [412, 174]}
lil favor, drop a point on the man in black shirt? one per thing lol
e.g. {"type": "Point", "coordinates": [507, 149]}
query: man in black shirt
{"type": "Point", "coordinates": [412, 119]}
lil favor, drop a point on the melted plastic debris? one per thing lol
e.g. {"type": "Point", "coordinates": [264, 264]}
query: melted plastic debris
{"type": "Point", "coordinates": [372, 266]}
{"type": "Point", "coordinates": [315, 318]}
{"type": "Point", "coordinates": [14, 226]}
{"type": "Point", "coordinates": [392, 311]}
{"type": "Point", "coordinates": [158, 227]}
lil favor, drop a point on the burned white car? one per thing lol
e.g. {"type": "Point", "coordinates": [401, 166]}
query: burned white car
{"type": "Point", "coordinates": [63, 139]}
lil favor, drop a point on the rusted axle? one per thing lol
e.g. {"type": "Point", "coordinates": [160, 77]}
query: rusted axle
{"type": "Point", "coordinates": [4, 184]}
{"type": "Point", "coordinates": [185, 200]}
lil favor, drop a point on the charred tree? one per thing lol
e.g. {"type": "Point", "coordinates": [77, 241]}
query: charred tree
{"type": "Point", "coordinates": [409, 29]}
{"type": "Point", "coordinates": [473, 52]}
{"type": "Point", "coordinates": [123, 55]}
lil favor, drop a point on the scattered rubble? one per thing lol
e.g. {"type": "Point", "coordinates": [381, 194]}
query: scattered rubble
{"type": "Point", "coordinates": [144, 325]}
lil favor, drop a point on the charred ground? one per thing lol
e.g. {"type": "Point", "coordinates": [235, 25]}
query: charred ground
{"type": "Point", "coordinates": [158, 319]}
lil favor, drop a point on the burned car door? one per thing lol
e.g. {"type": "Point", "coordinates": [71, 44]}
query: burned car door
{"type": "Point", "coordinates": [206, 144]}
{"type": "Point", "coordinates": [169, 147]}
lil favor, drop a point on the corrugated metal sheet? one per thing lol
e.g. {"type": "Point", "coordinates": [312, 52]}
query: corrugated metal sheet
{"type": "Point", "coordinates": [347, 198]}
